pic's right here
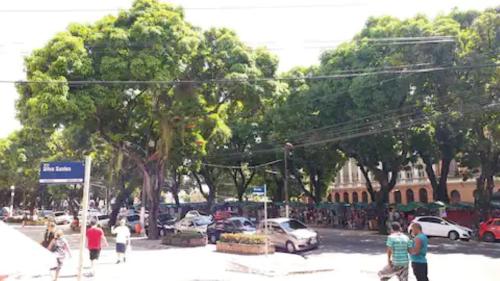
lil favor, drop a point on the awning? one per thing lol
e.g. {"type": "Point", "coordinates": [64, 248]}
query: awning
{"type": "Point", "coordinates": [21, 257]}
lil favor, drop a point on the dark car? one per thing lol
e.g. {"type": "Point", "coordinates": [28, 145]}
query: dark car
{"type": "Point", "coordinates": [230, 225]}
{"type": "Point", "coordinates": [166, 224]}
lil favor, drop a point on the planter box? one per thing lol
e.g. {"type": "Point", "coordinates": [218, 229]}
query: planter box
{"type": "Point", "coordinates": [244, 249]}
{"type": "Point", "coordinates": [185, 242]}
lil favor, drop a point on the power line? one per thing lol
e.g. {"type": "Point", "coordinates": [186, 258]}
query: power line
{"type": "Point", "coordinates": [239, 167]}
{"type": "Point", "coordinates": [206, 8]}
{"type": "Point", "coordinates": [251, 80]}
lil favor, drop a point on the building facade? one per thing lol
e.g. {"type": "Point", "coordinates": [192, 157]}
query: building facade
{"type": "Point", "coordinates": [412, 185]}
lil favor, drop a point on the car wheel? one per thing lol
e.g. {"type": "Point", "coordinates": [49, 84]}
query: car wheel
{"type": "Point", "coordinates": [453, 235]}
{"type": "Point", "coordinates": [290, 247]}
{"type": "Point", "coordinates": [213, 239]}
{"type": "Point", "coordinates": [488, 237]}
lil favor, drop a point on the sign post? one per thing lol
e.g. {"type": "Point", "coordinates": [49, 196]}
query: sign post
{"type": "Point", "coordinates": [262, 191]}
{"type": "Point", "coordinates": [85, 207]}
{"type": "Point", "coordinates": [71, 173]}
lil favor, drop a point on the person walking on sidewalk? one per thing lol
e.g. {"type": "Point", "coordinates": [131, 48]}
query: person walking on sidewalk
{"type": "Point", "coordinates": [397, 255]}
{"type": "Point", "coordinates": [95, 238]}
{"type": "Point", "coordinates": [49, 235]}
{"type": "Point", "coordinates": [122, 240]}
{"type": "Point", "coordinates": [418, 253]}
{"type": "Point", "coordinates": [60, 247]}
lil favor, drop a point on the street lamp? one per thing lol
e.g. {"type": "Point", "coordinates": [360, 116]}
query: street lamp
{"type": "Point", "coordinates": [288, 147]}
{"type": "Point", "coordinates": [12, 189]}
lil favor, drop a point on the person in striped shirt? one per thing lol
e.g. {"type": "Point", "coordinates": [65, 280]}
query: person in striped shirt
{"type": "Point", "coordinates": [397, 255]}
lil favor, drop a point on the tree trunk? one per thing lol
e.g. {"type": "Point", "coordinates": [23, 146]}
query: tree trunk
{"type": "Point", "coordinates": [431, 174]}
{"type": "Point", "coordinates": [442, 190]}
{"type": "Point", "coordinates": [123, 194]}
{"type": "Point", "coordinates": [154, 199]}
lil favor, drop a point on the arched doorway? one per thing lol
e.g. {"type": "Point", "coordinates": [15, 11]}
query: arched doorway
{"type": "Point", "coordinates": [364, 197]}
{"type": "Point", "coordinates": [409, 196]}
{"type": "Point", "coordinates": [422, 194]}
{"type": "Point", "coordinates": [397, 197]}
{"type": "Point", "coordinates": [337, 197]}
{"type": "Point", "coordinates": [455, 196]}
{"type": "Point", "coordinates": [355, 198]}
{"type": "Point", "coordinates": [346, 197]}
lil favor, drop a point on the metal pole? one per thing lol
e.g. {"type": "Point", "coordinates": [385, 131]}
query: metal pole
{"type": "Point", "coordinates": [265, 219]}
{"type": "Point", "coordinates": [85, 207]}
{"type": "Point", "coordinates": [12, 188]}
{"type": "Point", "coordinates": [285, 156]}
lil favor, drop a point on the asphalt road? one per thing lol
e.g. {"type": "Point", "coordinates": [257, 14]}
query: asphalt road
{"type": "Point", "coordinates": [364, 242]}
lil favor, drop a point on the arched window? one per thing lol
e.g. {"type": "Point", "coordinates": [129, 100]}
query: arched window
{"type": "Point", "coordinates": [422, 193]}
{"type": "Point", "coordinates": [337, 197]}
{"type": "Point", "coordinates": [329, 197]}
{"type": "Point", "coordinates": [455, 196]}
{"type": "Point", "coordinates": [355, 198]}
{"type": "Point", "coordinates": [346, 197]}
{"type": "Point", "coordinates": [364, 197]}
{"type": "Point", "coordinates": [409, 196]}
{"type": "Point", "coordinates": [397, 197]}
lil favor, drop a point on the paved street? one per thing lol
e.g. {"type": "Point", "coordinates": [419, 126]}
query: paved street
{"type": "Point", "coordinates": [343, 255]}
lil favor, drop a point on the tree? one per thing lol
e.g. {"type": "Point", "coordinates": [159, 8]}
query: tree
{"type": "Point", "coordinates": [480, 88]}
{"type": "Point", "coordinates": [148, 118]}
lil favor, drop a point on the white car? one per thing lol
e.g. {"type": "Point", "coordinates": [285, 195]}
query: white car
{"type": "Point", "coordinates": [197, 214]}
{"type": "Point", "coordinates": [290, 234]}
{"type": "Point", "coordinates": [193, 224]}
{"type": "Point", "coordinates": [436, 226]}
{"type": "Point", "coordinates": [62, 218]}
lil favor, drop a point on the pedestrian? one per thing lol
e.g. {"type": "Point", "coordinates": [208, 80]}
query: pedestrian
{"type": "Point", "coordinates": [122, 240]}
{"type": "Point", "coordinates": [418, 253]}
{"type": "Point", "coordinates": [49, 234]}
{"type": "Point", "coordinates": [397, 255]}
{"type": "Point", "coordinates": [96, 238]}
{"type": "Point", "coordinates": [60, 247]}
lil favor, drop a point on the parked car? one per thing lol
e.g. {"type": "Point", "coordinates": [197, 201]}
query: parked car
{"type": "Point", "coordinates": [197, 214]}
{"type": "Point", "coordinates": [290, 234]}
{"type": "Point", "coordinates": [193, 224]}
{"type": "Point", "coordinates": [132, 222]}
{"type": "Point", "coordinates": [45, 213]}
{"type": "Point", "coordinates": [439, 227]}
{"type": "Point", "coordinates": [166, 224]}
{"type": "Point", "coordinates": [102, 220]}
{"type": "Point", "coordinates": [62, 218]}
{"type": "Point", "coordinates": [230, 225]}
{"type": "Point", "coordinates": [489, 231]}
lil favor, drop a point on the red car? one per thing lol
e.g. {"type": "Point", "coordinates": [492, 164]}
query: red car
{"type": "Point", "coordinates": [489, 231]}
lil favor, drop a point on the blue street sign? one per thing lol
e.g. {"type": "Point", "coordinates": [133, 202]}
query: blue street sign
{"type": "Point", "coordinates": [259, 190]}
{"type": "Point", "coordinates": [62, 172]}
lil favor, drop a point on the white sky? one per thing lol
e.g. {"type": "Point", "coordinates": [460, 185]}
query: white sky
{"type": "Point", "coordinates": [297, 35]}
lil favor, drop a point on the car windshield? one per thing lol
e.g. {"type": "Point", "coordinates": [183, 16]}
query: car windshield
{"type": "Point", "coordinates": [242, 223]}
{"type": "Point", "coordinates": [58, 214]}
{"type": "Point", "coordinates": [450, 221]}
{"type": "Point", "coordinates": [292, 225]}
{"type": "Point", "coordinates": [133, 218]}
{"type": "Point", "coordinates": [104, 217]}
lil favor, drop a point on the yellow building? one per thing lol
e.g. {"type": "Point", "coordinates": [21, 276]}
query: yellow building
{"type": "Point", "coordinates": [412, 185]}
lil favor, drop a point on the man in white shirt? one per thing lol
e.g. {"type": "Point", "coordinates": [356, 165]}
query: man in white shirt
{"type": "Point", "coordinates": [122, 240]}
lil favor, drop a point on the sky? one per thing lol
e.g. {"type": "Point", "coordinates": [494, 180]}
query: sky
{"type": "Point", "coordinates": [296, 30]}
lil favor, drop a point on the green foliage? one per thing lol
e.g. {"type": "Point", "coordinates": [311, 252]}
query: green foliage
{"type": "Point", "coordinates": [241, 238]}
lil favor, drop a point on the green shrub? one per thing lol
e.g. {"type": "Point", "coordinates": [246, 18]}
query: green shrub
{"type": "Point", "coordinates": [241, 238]}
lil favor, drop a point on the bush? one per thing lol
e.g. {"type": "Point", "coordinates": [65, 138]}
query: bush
{"type": "Point", "coordinates": [185, 239]}
{"type": "Point", "coordinates": [241, 238]}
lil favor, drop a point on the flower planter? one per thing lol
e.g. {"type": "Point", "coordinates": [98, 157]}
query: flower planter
{"type": "Point", "coordinates": [243, 249]}
{"type": "Point", "coordinates": [185, 241]}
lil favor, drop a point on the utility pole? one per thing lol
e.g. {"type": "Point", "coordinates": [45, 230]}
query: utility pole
{"type": "Point", "coordinates": [12, 193]}
{"type": "Point", "coordinates": [288, 147]}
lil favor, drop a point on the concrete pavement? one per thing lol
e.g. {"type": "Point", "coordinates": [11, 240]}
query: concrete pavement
{"type": "Point", "coordinates": [343, 255]}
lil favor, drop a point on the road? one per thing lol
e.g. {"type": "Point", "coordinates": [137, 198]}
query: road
{"type": "Point", "coordinates": [343, 255]}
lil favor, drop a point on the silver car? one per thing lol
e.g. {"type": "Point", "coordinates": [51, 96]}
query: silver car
{"type": "Point", "coordinates": [290, 234]}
